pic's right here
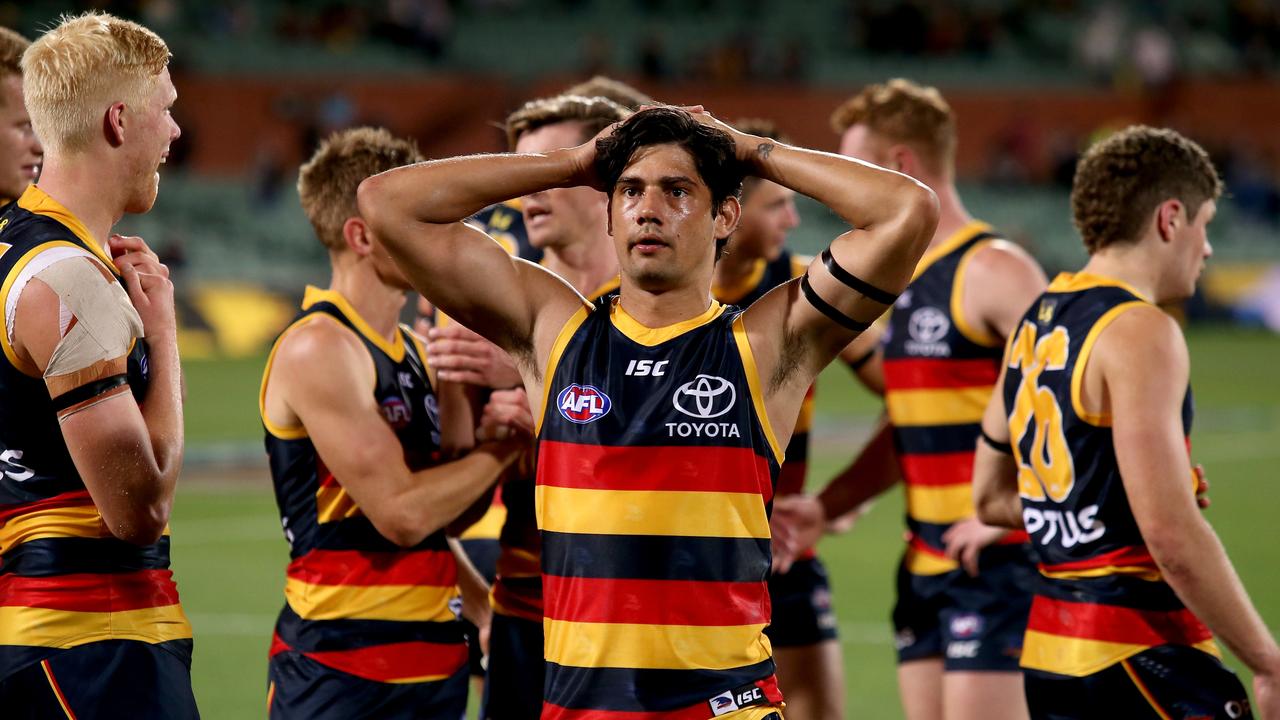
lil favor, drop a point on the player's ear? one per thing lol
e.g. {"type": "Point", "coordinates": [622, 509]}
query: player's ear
{"type": "Point", "coordinates": [113, 124]}
{"type": "Point", "coordinates": [608, 213]}
{"type": "Point", "coordinates": [903, 159]}
{"type": "Point", "coordinates": [355, 233]}
{"type": "Point", "coordinates": [1169, 216]}
{"type": "Point", "coordinates": [727, 217]}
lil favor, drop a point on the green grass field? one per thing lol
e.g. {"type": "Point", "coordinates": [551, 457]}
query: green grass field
{"type": "Point", "coordinates": [229, 555]}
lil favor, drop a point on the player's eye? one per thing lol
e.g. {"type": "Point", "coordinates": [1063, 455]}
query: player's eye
{"type": "Point", "coordinates": [679, 192]}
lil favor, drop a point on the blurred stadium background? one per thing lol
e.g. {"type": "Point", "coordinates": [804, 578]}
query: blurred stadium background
{"type": "Point", "coordinates": [1032, 84]}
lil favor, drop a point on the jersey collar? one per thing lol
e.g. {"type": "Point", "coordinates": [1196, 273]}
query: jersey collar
{"type": "Point", "coordinates": [39, 202]}
{"type": "Point", "coordinates": [394, 349]}
{"type": "Point", "coordinates": [650, 337]}
{"type": "Point", "coordinates": [1078, 281]}
{"type": "Point", "coordinates": [958, 238]}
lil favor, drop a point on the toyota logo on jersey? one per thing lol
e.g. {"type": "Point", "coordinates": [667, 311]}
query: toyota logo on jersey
{"type": "Point", "coordinates": [583, 403]}
{"type": "Point", "coordinates": [707, 396]}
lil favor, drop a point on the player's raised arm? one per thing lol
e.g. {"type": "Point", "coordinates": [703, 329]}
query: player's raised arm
{"type": "Point", "coordinates": [418, 212]}
{"type": "Point", "coordinates": [852, 282]}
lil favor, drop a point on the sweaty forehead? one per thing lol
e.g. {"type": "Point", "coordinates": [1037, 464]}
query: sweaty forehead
{"type": "Point", "coordinates": [653, 162]}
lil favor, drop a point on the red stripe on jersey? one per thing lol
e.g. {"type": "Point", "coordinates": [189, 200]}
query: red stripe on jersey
{"type": "Point", "coordinates": [923, 374]}
{"type": "Point", "coordinates": [937, 468]}
{"type": "Point", "coordinates": [690, 469]}
{"type": "Point", "coordinates": [655, 602]}
{"type": "Point", "coordinates": [75, 498]}
{"type": "Point", "coordinates": [1124, 557]}
{"type": "Point", "coordinates": [91, 592]}
{"type": "Point", "coordinates": [324, 476]}
{"type": "Point", "coordinates": [359, 567]}
{"type": "Point", "coordinates": [390, 662]}
{"type": "Point", "coordinates": [917, 543]}
{"type": "Point", "coordinates": [1112, 623]}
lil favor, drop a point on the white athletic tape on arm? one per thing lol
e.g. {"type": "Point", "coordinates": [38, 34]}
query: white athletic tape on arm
{"type": "Point", "coordinates": [42, 260]}
{"type": "Point", "coordinates": [106, 322]}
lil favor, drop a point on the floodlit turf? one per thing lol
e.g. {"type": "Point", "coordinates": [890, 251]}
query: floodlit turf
{"type": "Point", "coordinates": [229, 554]}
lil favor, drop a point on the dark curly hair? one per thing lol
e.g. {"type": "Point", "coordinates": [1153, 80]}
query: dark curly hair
{"type": "Point", "coordinates": [1120, 181]}
{"type": "Point", "coordinates": [712, 151]}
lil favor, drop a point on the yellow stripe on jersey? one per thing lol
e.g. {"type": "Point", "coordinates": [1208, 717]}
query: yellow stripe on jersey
{"type": "Point", "coordinates": [1140, 572]}
{"type": "Point", "coordinates": [1099, 419]}
{"type": "Point", "coordinates": [280, 431]}
{"type": "Point", "coordinates": [650, 337]}
{"type": "Point", "coordinates": [940, 504]}
{"type": "Point", "coordinates": [919, 562]}
{"type": "Point", "coordinates": [557, 349]}
{"type": "Point", "coordinates": [731, 294]}
{"type": "Point", "coordinates": [42, 627]}
{"type": "Point", "coordinates": [974, 334]}
{"type": "Point", "coordinates": [753, 383]}
{"type": "Point", "coordinates": [81, 521]}
{"type": "Point", "coordinates": [804, 421]}
{"type": "Point", "coordinates": [489, 526]}
{"type": "Point", "coordinates": [333, 504]}
{"type": "Point", "coordinates": [394, 348]}
{"type": "Point", "coordinates": [949, 406]}
{"type": "Point", "coordinates": [643, 512]}
{"type": "Point", "coordinates": [1079, 656]}
{"type": "Point", "coordinates": [946, 247]}
{"type": "Point", "coordinates": [9, 353]}
{"type": "Point", "coordinates": [408, 603]}
{"type": "Point", "coordinates": [654, 647]}
{"type": "Point", "coordinates": [37, 201]}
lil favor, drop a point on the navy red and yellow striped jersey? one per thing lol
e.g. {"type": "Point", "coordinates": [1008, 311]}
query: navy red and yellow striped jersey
{"type": "Point", "coordinates": [765, 276]}
{"type": "Point", "coordinates": [517, 590]}
{"type": "Point", "coordinates": [65, 580]}
{"type": "Point", "coordinates": [939, 372]}
{"type": "Point", "coordinates": [656, 469]}
{"type": "Point", "coordinates": [1103, 599]}
{"type": "Point", "coordinates": [355, 601]}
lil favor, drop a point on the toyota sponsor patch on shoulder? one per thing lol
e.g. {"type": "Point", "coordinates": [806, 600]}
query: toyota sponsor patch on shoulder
{"type": "Point", "coordinates": [736, 699]}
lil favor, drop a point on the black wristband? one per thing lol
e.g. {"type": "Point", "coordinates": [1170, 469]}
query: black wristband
{"type": "Point", "coordinates": [1000, 447]}
{"type": "Point", "coordinates": [869, 291]}
{"type": "Point", "coordinates": [826, 309]}
{"type": "Point", "coordinates": [88, 391]}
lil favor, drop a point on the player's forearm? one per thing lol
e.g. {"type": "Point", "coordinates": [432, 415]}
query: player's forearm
{"type": "Point", "coordinates": [452, 189]}
{"type": "Point", "coordinates": [995, 488]}
{"type": "Point", "coordinates": [436, 496]}
{"type": "Point", "coordinates": [871, 473]}
{"type": "Point", "coordinates": [162, 413]}
{"type": "Point", "coordinates": [863, 195]}
{"type": "Point", "coordinates": [472, 586]}
{"type": "Point", "coordinates": [1193, 562]}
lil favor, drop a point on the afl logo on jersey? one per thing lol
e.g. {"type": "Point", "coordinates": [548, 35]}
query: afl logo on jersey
{"type": "Point", "coordinates": [583, 403]}
{"type": "Point", "coordinates": [397, 412]}
{"type": "Point", "coordinates": [708, 396]}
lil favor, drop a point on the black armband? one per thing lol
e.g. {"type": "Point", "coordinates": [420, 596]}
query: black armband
{"type": "Point", "coordinates": [827, 309]}
{"type": "Point", "coordinates": [869, 291]}
{"type": "Point", "coordinates": [857, 363]}
{"type": "Point", "coordinates": [1000, 447]}
{"type": "Point", "coordinates": [88, 391]}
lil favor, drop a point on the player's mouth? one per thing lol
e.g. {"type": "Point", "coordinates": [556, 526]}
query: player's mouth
{"type": "Point", "coordinates": [533, 212]}
{"type": "Point", "coordinates": [648, 244]}
{"type": "Point", "coordinates": [30, 171]}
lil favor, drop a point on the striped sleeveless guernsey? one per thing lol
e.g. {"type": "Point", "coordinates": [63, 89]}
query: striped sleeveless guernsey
{"type": "Point", "coordinates": [656, 469]}
{"type": "Point", "coordinates": [517, 590]}
{"type": "Point", "coordinates": [65, 581]}
{"type": "Point", "coordinates": [355, 601]}
{"type": "Point", "coordinates": [939, 372]}
{"type": "Point", "coordinates": [766, 276]}
{"type": "Point", "coordinates": [1103, 599]}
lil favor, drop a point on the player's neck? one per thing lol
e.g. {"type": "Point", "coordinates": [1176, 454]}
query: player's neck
{"type": "Point", "coordinates": [655, 310]}
{"type": "Point", "coordinates": [733, 268]}
{"type": "Point", "coordinates": [81, 191]}
{"type": "Point", "coordinates": [586, 265]}
{"type": "Point", "coordinates": [952, 215]}
{"type": "Point", "coordinates": [1129, 265]}
{"type": "Point", "coordinates": [375, 301]}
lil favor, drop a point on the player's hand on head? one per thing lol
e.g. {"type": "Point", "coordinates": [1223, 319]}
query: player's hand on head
{"type": "Point", "coordinates": [460, 355]}
{"type": "Point", "coordinates": [745, 146]}
{"type": "Point", "coordinates": [965, 540]}
{"type": "Point", "coordinates": [506, 415]}
{"type": "Point", "coordinates": [584, 160]}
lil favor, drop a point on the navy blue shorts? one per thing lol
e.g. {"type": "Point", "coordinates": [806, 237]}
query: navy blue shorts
{"type": "Point", "coordinates": [107, 680]}
{"type": "Point", "coordinates": [971, 623]}
{"type": "Point", "coordinates": [483, 554]}
{"type": "Point", "coordinates": [802, 612]}
{"type": "Point", "coordinates": [1169, 681]}
{"type": "Point", "coordinates": [300, 688]}
{"type": "Point", "coordinates": [513, 686]}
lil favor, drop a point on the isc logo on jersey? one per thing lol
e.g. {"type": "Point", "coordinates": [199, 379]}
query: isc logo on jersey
{"type": "Point", "coordinates": [583, 403]}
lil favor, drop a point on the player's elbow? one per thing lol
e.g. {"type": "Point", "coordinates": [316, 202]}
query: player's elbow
{"type": "Point", "coordinates": [140, 524]}
{"type": "Point", "coordinates": [918, 215]}
{"type": "Point", "coordinates": [1173, 544]}
{"type": "Point", "coordinates": [991, 508]}
{"type": "Point", "coordinates": [373, 201]}
{"type": "Point", "coordinates": [403, 528]}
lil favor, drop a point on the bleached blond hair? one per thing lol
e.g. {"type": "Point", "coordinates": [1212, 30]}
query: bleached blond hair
{"type": "Point", "coordinates": [74, 72]}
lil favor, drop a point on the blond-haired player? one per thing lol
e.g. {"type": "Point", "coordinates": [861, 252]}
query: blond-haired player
{"type": "Point", "coordinates": [20, 151]}
{"type": "Point", "coordinates": [963, 587]}
{"type": "Point", "coordinates": [90, 392]}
